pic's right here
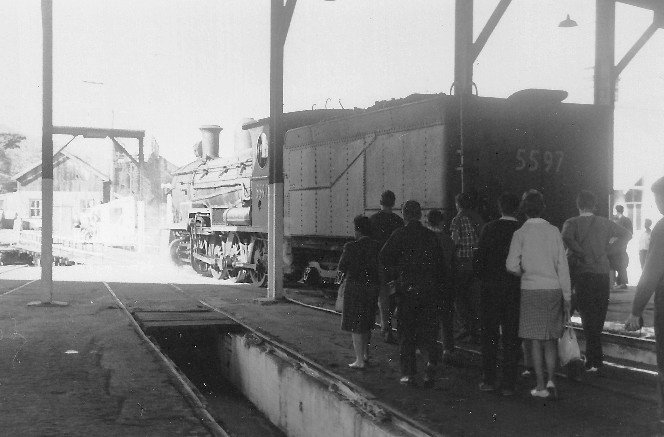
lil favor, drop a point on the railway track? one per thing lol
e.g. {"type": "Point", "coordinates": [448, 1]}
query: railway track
{"type": "Point", "coordinates": [184, 385]}
{"type": "Point", "coordinates": [353, 393]}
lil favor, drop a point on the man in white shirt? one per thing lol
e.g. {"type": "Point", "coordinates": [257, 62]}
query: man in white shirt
{"type": "Point", "coordinates": [644, 242]}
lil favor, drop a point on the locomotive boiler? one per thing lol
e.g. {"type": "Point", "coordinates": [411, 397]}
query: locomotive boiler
{"type": "Point", "coordinates": [337, 163]}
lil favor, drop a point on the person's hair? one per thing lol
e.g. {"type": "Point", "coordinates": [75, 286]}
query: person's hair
{"type": "Point", "coordinates": [412, 210]}
{"type": "Point", "coordinates": [658, 186]}
{"type": "Point", "coordinates": [387, 198]}
{"type": "Point", "coordinates": [648, 222]}
{"type": "Point", "coordinates": [435, 217]}
{"type": "Point", "coordinates": [362, 225]}
{"type": "Point", "coordinates": [620, 208]}
{"type": "Point", "coordinates": [508, 203]}
{"type": "Point", "coordinates": [464, 200]}
{"type": "Point", "coordinates": [586, 200]}
{"type": "Point", "coordinates": [532, 203]}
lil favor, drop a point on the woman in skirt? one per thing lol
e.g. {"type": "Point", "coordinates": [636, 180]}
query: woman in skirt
{"type": "Point", "coordinates": [359, 263]}
{"type": "Point", "coordinates": [537, 255]}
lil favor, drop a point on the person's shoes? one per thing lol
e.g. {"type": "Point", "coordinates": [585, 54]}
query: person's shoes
{"type": "Point", "coordinates": [527, 373]}
{"type": "Point", "coordinates": [622, 287]}
{"type": "Point", "coordinates": [357, 366]}
{"type": "Point", "coordinates": [553, 391]}
{"type": "Point", "coordinates": [539, 393]}
{"type": "Point", "coordinates": [592, 369]}
{"type": "Point", "coordinates": [407, 380]}
{"type": "Point", "coordinates": [487, 387]}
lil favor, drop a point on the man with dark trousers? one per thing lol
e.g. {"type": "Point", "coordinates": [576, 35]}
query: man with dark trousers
{"type": "Point", "coordinates": [652, 281]}
{"type": "Point", "coordinates": [413, 256]}
{"type": "Point", "coordinates": [465, 231]}
{"type": "Point", "coordinates": [587, 238]}
{"type": "Point", "coordinates": [500, 297]}
{"type": "Point", "coordinates": [383, 223]}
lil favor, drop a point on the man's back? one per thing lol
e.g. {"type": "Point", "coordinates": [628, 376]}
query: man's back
{"type": "Point", "coordinates": [494, 246]}
{"type": "Point", "coordinates": [465, 230]}
{"type": "Point", "coordinates": [383, 223]}
{"type": "Point", "coordinates": [625, 222]}
{"type": "Point", "coordinates": [413, 253]}
{"type": "Point", "coordinates": [593, 233]}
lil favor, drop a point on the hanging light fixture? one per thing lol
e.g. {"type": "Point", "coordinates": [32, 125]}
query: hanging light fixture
{"type": "Point", "coordinates": [568, 22]}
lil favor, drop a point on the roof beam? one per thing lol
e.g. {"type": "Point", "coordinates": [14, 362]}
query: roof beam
{"type": "Point", "coordinates": [638, 45]}
{"type": "Point", "coordinates": [653, 5]}
{"type": "Point", "coordinates": [95, 132]}
{"type": "Point", "coordinates": [489, 27]}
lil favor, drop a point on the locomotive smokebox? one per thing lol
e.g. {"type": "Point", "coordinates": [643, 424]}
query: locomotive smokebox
{"type": "Point", "coordinates": [210, 141]}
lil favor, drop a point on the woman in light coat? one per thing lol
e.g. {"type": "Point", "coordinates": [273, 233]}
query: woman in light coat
{"type": "Point", "coordinates": [537, 255]}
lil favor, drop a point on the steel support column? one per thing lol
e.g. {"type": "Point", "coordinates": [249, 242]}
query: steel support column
{"type": "Point", "coordinates": [463, 47]}
{"type": "Point", "coordinates": [47, 150]}
{"type": "Point", "coordinates": [463, 69]}
{"type": "Point", "coordinates": [605, 78]}
{"type": "Point", "coordinates": [605, 42]}
{"type": "Point", "coordinates": [279, 21]}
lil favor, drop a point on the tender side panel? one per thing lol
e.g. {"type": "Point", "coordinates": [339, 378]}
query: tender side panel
{"type": "Point", "coordinates": [385, 169]}
{"type": "Point", "coordinates": [409, 163]}
{"type": "Point", "coordinates": [423, 166]}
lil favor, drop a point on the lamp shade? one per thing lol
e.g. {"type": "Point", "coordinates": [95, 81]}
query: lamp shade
{"type": "Point", "coordinates": [568, 22]}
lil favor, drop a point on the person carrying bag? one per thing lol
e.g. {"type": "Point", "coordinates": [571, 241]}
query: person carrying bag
{"type": "Point", "coordinates": [568, 347]}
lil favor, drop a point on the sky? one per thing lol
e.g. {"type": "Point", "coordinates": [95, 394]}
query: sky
{"type": "Point", "coordinates": [169, 66]}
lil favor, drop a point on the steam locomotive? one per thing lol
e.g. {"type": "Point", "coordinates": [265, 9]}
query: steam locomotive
{"type": "Point", "coordinates": [337, 163]}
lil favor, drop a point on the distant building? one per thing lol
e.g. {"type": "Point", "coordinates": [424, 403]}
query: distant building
{"type": "Point", "coordinates": [103, 194]}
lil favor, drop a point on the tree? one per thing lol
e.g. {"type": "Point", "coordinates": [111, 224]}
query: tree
{"type": "Point", "coordinates": [17, 152]}
{"type": "Point", "coordinates": [8, 141]}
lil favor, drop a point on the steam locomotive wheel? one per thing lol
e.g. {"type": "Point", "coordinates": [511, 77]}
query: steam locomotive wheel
{"type": "Point", "coordinates": [178, 251]}
{"type": "Point", "coordinates": [199, 245]}
{"type": "Point", "coordinates": [259, 256]}
{"type": "Point", "coordinates": [216, 271]}
{"type": "Point", "coordinates": [231, 254]}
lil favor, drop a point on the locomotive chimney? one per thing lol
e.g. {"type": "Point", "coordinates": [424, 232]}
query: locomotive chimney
{"type": "Point", "coordinates": [210, 141]}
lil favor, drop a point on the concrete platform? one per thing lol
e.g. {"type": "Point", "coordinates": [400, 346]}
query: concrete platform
{"type": "Point", "coordinates": [83, 370]}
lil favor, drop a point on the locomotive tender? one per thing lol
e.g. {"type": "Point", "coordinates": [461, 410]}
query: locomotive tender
{"type": "Point", "coordinates": [337, 163]}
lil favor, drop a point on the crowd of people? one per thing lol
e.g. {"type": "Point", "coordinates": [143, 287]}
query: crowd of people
{"type": "Point", "coordinates": [513, 283]}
